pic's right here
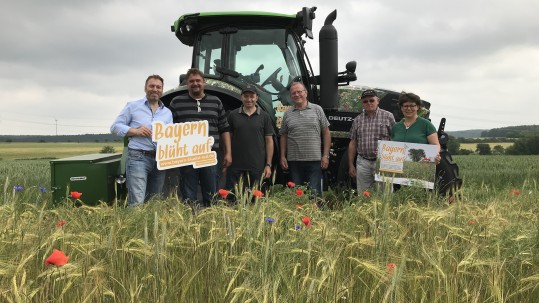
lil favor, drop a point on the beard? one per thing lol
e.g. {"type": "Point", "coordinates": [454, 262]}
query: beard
{"type": "Point", "coordinates": [196, 91]}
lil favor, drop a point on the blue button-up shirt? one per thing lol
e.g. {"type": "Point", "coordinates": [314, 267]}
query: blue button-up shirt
{"type": "Point", "coordinates": [135, 114]}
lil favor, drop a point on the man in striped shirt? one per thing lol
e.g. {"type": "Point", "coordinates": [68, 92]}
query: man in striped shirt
{"type": "Point", "coordinates": [303, 128]}
{"type": "Point", "coordinates": [371, 125]}
{"type": "Point", "coordinates": [197, 106]}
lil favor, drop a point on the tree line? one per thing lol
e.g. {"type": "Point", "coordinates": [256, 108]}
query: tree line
{"type": "Point", "coordinates": [520, 131]}
{"type": "Point", "coordinates": [527, 145]}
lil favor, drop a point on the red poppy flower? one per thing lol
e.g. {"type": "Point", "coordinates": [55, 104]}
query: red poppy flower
{"type": "Point", "coordinates": [391, 267]}
{"type": "Point", "coordinates": [258, 193]}
{"type": "Point", "coordinates": [306, 221]}
{"type": "Point", "coordinates": [224, 193]}
{"type": "Point", "coordinates": [291, 184]}
{"type": "Point", "coordinates": [299, 192]}
{"type": "Point", "coordinates": [75, 194]}
{"type": "Point", "coordinates": [366, 194]}
{"type": "Point", "coordinates": [57, 258]}
{"type": "Point", "coordinates": [515, 192]}
{"type": "Point", "coordinates": [61, 223]}
{"type": "Point", "coordinates": [472, 222]}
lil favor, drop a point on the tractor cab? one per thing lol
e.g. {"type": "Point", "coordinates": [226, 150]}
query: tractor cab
{"type": "Point", "coordinates": [234, 49]}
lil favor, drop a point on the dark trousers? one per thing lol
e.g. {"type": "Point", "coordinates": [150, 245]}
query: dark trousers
{"type": "Point", "coordinates": [207, 177]}
{"type": "Point", "coordinates": [307, 173]}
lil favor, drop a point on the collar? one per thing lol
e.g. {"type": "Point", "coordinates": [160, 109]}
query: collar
{"type": "Point", "coordinates": [306, 107]}
{"type": "Point", "coordinates": [160, 103]}
{"type": "Point", "coordinates": [375, 112]}
{"type": "Point", "coordinates": [257, 111]}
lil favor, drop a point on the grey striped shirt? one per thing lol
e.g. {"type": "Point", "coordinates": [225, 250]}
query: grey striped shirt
{"type": "Point", "coordinates": [304, 130]}
{"type": "Point", "coordinates": [185, 109]}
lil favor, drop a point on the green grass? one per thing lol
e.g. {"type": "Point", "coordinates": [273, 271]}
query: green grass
{"type": "Point", "coordinates": [483, 247]}
{"type": "Point", "coordinates": [25, 151]}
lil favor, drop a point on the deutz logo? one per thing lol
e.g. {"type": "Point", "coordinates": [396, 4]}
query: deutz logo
{"type": "Point", "coordinates": [339, 118]}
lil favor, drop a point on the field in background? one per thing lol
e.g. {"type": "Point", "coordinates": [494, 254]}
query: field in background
{"type": "Point", "coordinates": [409, 246]}
{"type": "Point", "coordinates": [473, 146]}
{"type": "Point", "coordinates": [25, 151]}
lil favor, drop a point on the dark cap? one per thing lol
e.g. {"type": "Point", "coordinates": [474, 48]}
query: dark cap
{"type": "Point", "coordinates": [368, 93]}
{"type": "Point", "coordinates": [249, 88]}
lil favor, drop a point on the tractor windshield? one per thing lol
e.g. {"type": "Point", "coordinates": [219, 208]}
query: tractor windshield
{"type": "Point", "coordinates": [267, 58]}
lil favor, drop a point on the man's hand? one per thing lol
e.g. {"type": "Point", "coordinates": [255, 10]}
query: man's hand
{"type": "Point", "coordinates": [267, 172]}
{"type": "Point", "coordinates": [352, 170]}
{"type": "Point", "coordinates": [227, 160]}
{"type": "Point", "coordinates": [143, 131]}
{"type": "Point", "coordinates": [324, 163]}
{"type": "Point", "coordinates": [284, 163]}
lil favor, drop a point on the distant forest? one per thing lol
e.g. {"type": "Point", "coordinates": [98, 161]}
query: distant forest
{"type": "Point", "coordinates": [68, 138]}
{"type": "Point", "coordinates": [503, 134]}
{"type": "Point", "coordinates": [512, 131]}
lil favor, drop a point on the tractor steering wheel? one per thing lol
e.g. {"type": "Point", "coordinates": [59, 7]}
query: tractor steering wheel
{"type": "Point", "coordinates": [272, 77]}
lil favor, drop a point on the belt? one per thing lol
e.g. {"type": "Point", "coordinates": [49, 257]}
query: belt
{"type": "Point", "coordinates": [145, 152]}
{"type": "Point", "coordinates": [368, 159]}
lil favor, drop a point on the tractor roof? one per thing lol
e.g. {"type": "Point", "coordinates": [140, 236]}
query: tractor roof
{"type": "Point", "coordinates": [188, 26]}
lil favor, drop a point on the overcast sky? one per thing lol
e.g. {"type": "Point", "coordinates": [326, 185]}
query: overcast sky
{"type": "Point", "coordinates": [69, 66]}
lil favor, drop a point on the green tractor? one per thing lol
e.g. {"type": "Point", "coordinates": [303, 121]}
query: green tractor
{"type": "Point", "coordinates": [234, 49]}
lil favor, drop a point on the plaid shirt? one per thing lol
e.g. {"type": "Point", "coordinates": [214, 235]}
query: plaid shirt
{"type": "Point", "coordinates": [368, 130]}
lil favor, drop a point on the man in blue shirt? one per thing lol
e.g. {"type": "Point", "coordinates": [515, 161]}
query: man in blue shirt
{"type": "Point", "coordinates": [144, 180]}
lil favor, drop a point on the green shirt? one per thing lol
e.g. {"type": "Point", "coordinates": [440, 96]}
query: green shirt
{"type": "Point", "coordinates": [417, 133]}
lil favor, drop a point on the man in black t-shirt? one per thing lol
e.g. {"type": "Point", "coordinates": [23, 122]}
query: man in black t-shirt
{"type": "Point", "coordinates": [252, 142]}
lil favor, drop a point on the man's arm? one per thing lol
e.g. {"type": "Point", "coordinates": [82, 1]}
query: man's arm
{"type": "Point", "coordinates": [326, 139]}
{"type": "Point", "coordinates": [269, 156]}
{"type": "Point", "coordinates": [352, 151]}
{"type": "Point", "coordinates": [283, 141]}
{"type": "Point", "coordinates": [225, 139]}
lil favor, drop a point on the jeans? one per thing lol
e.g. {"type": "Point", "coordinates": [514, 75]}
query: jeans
{"type": "Point", "coordinates": [144, 180]}
{"type": "Point", "coordinates": [208, 177]}
{"type": "Point", "coordinates": [249, 178]}
{"type": "Point", "coordinates": [307, 172]}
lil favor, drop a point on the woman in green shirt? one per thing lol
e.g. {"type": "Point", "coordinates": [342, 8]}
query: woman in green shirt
{"type": "Point", "coordinates": [412, 128]}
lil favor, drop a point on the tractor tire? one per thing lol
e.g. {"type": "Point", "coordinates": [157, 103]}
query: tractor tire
{"type": "Point", "coordinates": [447, 174]}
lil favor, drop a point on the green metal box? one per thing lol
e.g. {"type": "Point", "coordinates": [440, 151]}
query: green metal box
{"type": "Point", "coordinates": [93, 175]}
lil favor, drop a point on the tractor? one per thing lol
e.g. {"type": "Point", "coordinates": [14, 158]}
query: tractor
{"type": "Point", "coordinates": [234, 49]}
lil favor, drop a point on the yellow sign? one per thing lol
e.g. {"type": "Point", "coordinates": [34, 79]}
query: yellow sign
{"type": "Point", "coordinates": [406, 163]}
{"type": "Point", "coordinates": [182, 144]}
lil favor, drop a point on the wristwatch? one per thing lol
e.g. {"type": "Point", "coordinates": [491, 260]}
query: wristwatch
{"type": "Point", "coordinates": [268, 164]}
{"type": "Point", "coordinates": [325, 156]}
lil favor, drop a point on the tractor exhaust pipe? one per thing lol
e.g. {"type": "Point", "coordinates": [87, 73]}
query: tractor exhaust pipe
{"type": "Point", "coordinates": [329, 97]}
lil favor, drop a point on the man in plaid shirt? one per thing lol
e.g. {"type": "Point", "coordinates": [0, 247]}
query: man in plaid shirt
{"type": "Point", "coordinates": [372, 125]}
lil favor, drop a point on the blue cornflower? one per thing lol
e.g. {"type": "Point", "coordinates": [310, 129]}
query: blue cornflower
{"type": "Point", "coordinates": [298, 227]}
{"type": "Point", "coordinates": [270, 220]}
{"type": "Point", "coordinates": [18, 188]}
{"type": "Point", "coordinates": [43, 189]}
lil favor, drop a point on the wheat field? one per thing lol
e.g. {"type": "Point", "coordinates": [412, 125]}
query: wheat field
{"type": "Point", "coordinates": [481, 245]}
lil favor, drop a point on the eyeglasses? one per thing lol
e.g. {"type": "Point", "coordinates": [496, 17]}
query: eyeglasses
{"type": "Point", "coordinates": [298, 92]}
{"type": "Point", "coordinates": [409, 106]}
{"type": "Point", "coordinates": [368, 101]}
{"type": "Point", "coordinates": [198, 106]}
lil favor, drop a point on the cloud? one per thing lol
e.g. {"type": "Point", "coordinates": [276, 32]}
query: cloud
{"type": "Point", "coordinates": [74, 64]}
